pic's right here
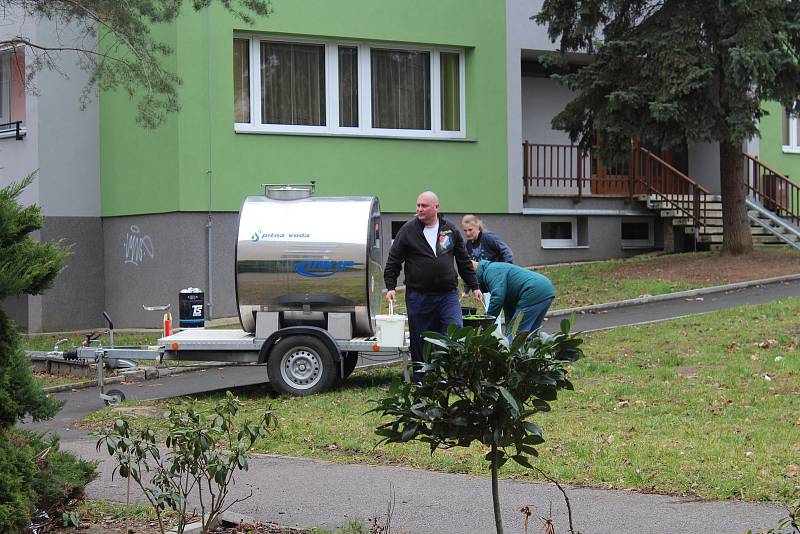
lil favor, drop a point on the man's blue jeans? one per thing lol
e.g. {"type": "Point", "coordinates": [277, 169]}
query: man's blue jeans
{"type": "Point", "coordinates": [532, 317]}
{"type": "Point", "coordinates": [430, 312]}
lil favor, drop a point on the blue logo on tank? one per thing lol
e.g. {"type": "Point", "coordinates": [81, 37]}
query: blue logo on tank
{"type": "Point", "coordinates": [258, 235]}
{"type": "Point", "coordinates": [321, 268]}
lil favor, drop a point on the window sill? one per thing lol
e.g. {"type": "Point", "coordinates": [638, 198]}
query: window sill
{"type": "Point", "coordinates": [791, 149]}
{"type": "Point", "coordinates": [564, 247]}
{"type": "Point", "coordinates": [249, 130]}
{"type": "Point", "coordinates": [5, 134]}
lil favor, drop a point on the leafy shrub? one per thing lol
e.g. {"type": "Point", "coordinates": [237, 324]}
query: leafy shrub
{"type": "Point", "coordinates": [61, 475]}
{"type": "Point", "coordinates": [36, 475]}
{"type": "Point", "coordinates": [477, 387]}
{"type": "Point", "coordinates": [17, 472]}
{"type": "Point", "coordinates": [203, 453]}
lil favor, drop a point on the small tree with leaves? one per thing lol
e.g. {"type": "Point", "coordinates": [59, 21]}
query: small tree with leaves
{"type": "Point", "coordinates": [480, 388]}
{"type": "Point", "coordinates": [203, 452]}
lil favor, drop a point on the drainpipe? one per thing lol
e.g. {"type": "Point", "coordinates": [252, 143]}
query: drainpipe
{"type": "Point", "coordinates": [209, 172]}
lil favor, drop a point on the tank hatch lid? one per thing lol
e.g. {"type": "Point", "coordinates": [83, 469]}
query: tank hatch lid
{"type": "Point", "coordinates": [289, 191]}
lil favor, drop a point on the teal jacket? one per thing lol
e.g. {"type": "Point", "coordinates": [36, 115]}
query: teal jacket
{"type": "Point", "coordinates": [512, 287]}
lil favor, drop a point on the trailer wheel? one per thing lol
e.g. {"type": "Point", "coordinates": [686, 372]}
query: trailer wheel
{"type": "Point", "coordinates": [301, 365]}
{"type": "Point", "coordinates": [117, 397]}
{"type": "Point", "coordinates": [350, 361]}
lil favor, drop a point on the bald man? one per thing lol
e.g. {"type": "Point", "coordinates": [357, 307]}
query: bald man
{"type": "Point", "coordinates": [429, 249]}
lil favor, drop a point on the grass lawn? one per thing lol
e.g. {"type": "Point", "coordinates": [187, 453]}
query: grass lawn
{"type": "Point", "coordinates": [610, 281]}
{"type": "Point", "coordinates": [109, 517]}
{"type": "Point", "coordinates": [593, 283]}
{"type": "Point", "coordinates": [707, 405]}
{"type": "Point", "coordinates": [577, 285]}
{"type": "Point", "coordinates": [46, 380]}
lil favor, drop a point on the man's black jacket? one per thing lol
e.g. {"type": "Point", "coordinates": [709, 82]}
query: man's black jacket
{"type": "Point", "coordinates": [426, 272]}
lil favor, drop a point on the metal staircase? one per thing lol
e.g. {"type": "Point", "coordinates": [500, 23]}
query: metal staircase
{"type": "Point", "coordinates": [767, 228]}
{"type": "Point", "coordinates": [773, 201]}
{"type": "Point", "coordinates": [773, 208]}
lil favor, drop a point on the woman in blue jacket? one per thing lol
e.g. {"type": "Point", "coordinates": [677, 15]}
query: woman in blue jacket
{"type": "Point", "coordinates": [483, 244]}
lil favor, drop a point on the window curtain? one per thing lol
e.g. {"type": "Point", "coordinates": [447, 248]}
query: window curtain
{"type": "Point", "coordinates": [5, 87]}
{"type": "Point", "coordinates": [348, 86]}
{"type": "Point", "coordinates": [292, 84]}
{"type": "Point", "coordinates": [241, 80]}
{"type": "Point", "coordinates": [401, 89]}
{"type": "Point", "coordinates": [451, 92]}
{"type": "Point", "coordinates": [785, 126]}
{"type": "Point", "coordinates": [556, 230]}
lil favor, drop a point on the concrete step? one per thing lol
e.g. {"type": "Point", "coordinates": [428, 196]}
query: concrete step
{"type": "Point", "coordinates": [763, 246]}
{"type": "Point", "coordinates": [760, 239]}
{"type": "Point", "coordinates": [710, 207]}
{"type": "Point", "coordinates": [754, 230]}
{"type": "Point", "coordinates": [677, 214]}
{"type": "Point", "coordinates": [682, 198]}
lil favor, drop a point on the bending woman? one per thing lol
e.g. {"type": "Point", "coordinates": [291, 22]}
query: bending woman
{"type": "Point", "coordinates": [483, 244]}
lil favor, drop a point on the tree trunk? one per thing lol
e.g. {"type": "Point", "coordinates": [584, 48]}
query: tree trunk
{"type": "Point", "coordinates": [498, 518]}
{"type": "Point", "coordinates": [736, 236]}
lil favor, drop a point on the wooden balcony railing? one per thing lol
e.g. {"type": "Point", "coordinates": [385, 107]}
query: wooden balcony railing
{"type": "Point", "coordinates": [554, 167]}
{"type": "Point", "coordinates": [772, 190]}
{"type": "Point", "coordinates": [565, 170]}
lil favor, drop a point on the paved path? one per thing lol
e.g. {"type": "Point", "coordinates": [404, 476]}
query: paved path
{"type": "Point", "coordinates": [694, 304]}
{"type": "Point", "coordinates": [301, 492]}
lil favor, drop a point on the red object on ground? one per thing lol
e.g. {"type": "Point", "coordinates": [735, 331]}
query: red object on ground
{"type": "Point", "coordinates": [167, 324]}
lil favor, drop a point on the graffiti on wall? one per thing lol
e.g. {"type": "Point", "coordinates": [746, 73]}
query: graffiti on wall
{"type": "Point", "coordinates": [138, 246]}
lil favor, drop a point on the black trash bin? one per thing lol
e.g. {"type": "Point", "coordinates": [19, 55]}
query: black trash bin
{"type": "Point", "coordinates": [191, 308]}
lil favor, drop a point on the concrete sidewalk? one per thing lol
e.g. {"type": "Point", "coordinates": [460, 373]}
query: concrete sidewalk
{"type": "Point", "coordinates": [306, 493]}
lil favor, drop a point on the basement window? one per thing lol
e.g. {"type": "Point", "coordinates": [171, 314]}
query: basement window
{"type": "Point", "coordinates": [559, 232]}
{"type": "Point", "coordinates": [637, 232]}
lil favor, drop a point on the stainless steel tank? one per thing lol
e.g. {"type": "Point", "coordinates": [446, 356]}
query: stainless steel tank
{"type": "Point", "coordinates": [306, 256]}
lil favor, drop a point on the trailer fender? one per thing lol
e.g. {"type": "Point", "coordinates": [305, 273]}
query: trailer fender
{"type": "Point", "coordinates": [320, 333]}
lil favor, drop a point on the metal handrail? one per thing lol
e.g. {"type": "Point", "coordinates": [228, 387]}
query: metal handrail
{"type": "Point", "coordinates": [670, 185]}
{"type": "Point", "coordinates": [15, 126]}
{"type": "Point", "coordinates": [772, 189]}
{"type": "Point", "coordinates": [776, 221]}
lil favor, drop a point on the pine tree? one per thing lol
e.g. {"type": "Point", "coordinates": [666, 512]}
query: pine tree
{"type": "Point", "coordinates": [26, 267]}
{"type": "Point", "coordinates": [675, 71]}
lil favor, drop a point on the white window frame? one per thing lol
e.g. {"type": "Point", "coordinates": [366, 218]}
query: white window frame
{"type": "Point", "coordinates": [561, 243]}
{"type": "Point", "coordinates": [794, 136]}
{"type": "Point", "coordinates": [364, 128]}
{"type": "Point", "coordinates": [638, 243]}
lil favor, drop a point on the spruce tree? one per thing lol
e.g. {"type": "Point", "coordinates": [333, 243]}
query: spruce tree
{"type": "Point", "coordinates": [26, 267]}
{"type": "Point", "coordinates": [675, 71]}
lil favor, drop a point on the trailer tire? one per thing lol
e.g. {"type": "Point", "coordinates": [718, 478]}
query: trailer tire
{"type": "Point", "coordinates": [301, 365]}
{"type": "Point", "coordinates": [350, 360]}
{"type": "Point", "coordinates": [117, 397]}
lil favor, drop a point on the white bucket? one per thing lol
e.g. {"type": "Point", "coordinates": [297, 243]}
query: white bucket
{"type": "Point", "coordinates": [390, 330]}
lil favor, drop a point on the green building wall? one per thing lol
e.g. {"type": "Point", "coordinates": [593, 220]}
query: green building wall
{"type": "Point", "coordinates": [771, 144]}
{"type": "Point", "coordinates": [196, 162]}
